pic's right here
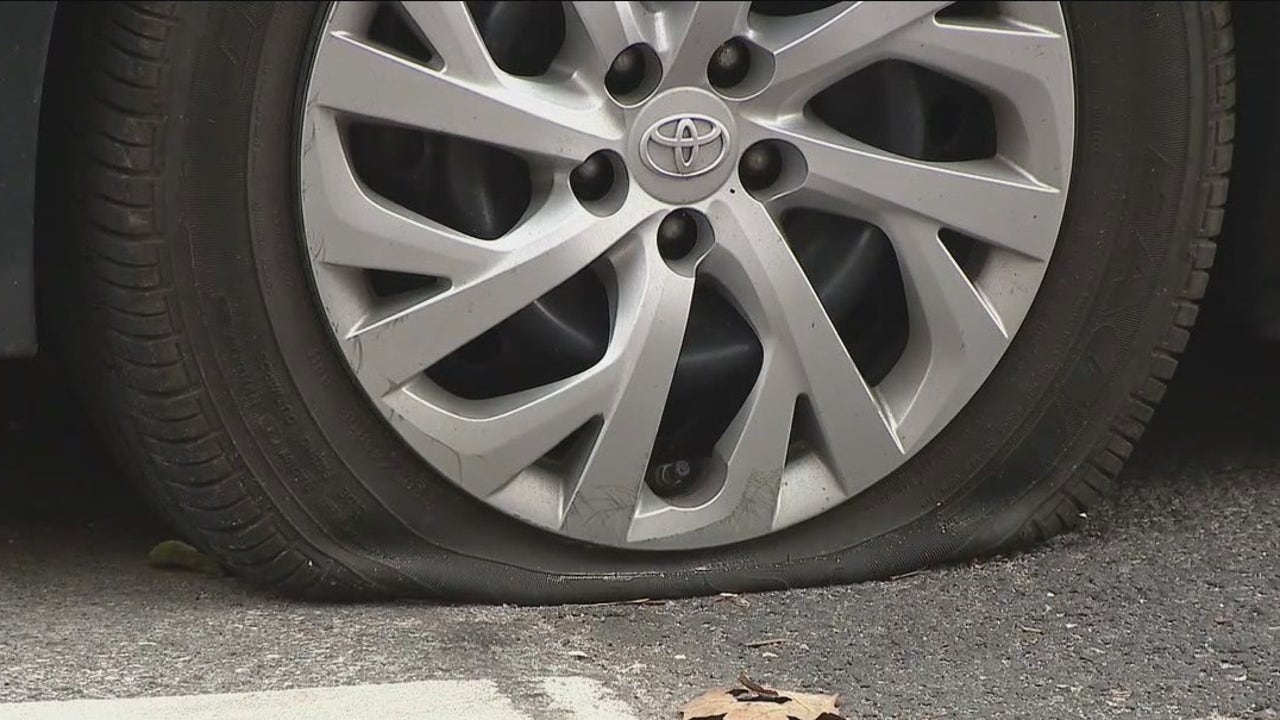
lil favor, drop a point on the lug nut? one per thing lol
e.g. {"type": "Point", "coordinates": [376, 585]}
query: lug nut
{"type": "Point", "coordinates": [760, 166]}
{"type": "Point", "coordinates": [671, 479]}
{"type": "Point", "coordinates": [593, 179]}
{"type": "Point", "coordinates": [677, 234]}
{"type": "Point", "coordinates": [626, 74]}
{"type": "Point", "coordinates": [729, 64]}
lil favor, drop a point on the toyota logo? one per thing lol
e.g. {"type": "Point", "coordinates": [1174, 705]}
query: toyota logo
{"type": "Point", "coordinates": [684, 145]}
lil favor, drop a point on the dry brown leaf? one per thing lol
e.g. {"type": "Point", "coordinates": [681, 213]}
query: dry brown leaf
{"type": "Point", "coordinates": [743, 704]}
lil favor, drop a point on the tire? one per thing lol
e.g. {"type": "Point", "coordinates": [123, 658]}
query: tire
{"type": "Point", "coordinates": [205, 356]}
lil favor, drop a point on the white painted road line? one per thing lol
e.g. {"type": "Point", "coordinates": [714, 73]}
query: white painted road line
{"type": "Point", "coordinates": [569, 698]}
{"type": "Point", "coordinates": [581, 698]}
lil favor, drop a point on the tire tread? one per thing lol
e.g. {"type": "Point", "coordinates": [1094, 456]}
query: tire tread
{"type": "Point", "coordinates": [187, 466]}
{"type": "Point", "coordinates": [1092, 482]}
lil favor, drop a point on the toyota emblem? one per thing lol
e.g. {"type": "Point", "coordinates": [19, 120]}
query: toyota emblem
{"type": "Point", "coordinates": [684, 145]}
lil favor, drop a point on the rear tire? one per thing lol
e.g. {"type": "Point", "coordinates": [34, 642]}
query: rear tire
{"type": "Point", "coordinates": [202, 348]}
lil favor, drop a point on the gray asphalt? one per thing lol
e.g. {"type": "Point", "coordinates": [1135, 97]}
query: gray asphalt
{"type": "Point", "coordinates": [1166, 604]}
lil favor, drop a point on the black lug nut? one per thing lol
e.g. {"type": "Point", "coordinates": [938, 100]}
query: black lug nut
{"type": "Point", "coordinates": [760, 165]}
{"type": "Point", "coordinates": [729, 64]}
{"type": "Point", "coordinates": [626, 74]}
{"type": "Point", "coordinates": [677, 234]}
{"type": "Point", "coordinates": [671, 479]}
{"type": "Point", "coordinates": [593, 179]}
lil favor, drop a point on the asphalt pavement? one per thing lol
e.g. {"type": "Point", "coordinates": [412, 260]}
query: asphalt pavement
{"type": "Point", "coordinates": [1166, 603]}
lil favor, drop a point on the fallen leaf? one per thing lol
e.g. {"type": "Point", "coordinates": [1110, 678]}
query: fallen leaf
{"type": "Point", "coordinates": [175, 554]}
{"type": "Point", "coordinates": [745, 704]}
{"type": "Point", "coordinates": [578, 655]}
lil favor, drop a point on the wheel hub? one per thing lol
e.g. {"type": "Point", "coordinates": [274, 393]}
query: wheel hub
{"type": "Point", "coordinates": [680, 145]}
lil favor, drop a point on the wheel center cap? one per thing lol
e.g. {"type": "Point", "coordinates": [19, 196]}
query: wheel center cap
{"type": "Point", "coordinates": [684, 139]}
{"type": "Point", "coordinates": [684, 145]}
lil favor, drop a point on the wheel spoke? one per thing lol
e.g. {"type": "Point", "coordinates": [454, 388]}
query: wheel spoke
{"type": "Point", "coordinates": [451, 32]}
{"type": "Point", "coordinates": [546, 250]}
{"type": "Point", "coordinates": [986, 199]}
{"type": "Point", "coordinates": [1024, 70]}
{"type": "Point", "coordinates": [350, 228]}
{"type": "Point", "coordinates": [754, 447]}
{"type": "Point", "coordinates": [695, 31]}
{"type": "Point", "coordinates": [751, 455]}
{"type": "Point", "coordinates": [355, 77]}
{"type": "Point", "coordinates": [955, 337]}
{"type": "Point", "coordinates": [482, 445]}
{"type": "Point", "coordinates": [653, 310]}
{"type": "Point", "coordinates": [611, 27]}
{"type": "Point", "coordinates": [810, 53]}
{"type": "Point", "coordinates": [756, 265]}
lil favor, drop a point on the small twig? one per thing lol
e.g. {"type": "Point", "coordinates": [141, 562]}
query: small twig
{"type": "Point", "coordinates": [765, 643]}
{"type": "Point", "coordinates": [755, 687]}
{"type": "Point", "coordinates": [636, 601]}
{"type": "Point", "coordinates": [1035, 630]}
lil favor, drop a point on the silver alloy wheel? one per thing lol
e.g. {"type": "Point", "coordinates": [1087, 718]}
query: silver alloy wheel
{"type": "Point", "coordinates": [959, 325]}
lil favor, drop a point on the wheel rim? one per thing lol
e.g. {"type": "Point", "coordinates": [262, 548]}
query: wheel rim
{"type": "Point", "coordinates": [587, 451]}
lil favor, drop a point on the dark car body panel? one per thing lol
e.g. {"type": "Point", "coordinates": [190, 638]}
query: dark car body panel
{"type": "Point", "coordinates": [25, 28]}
